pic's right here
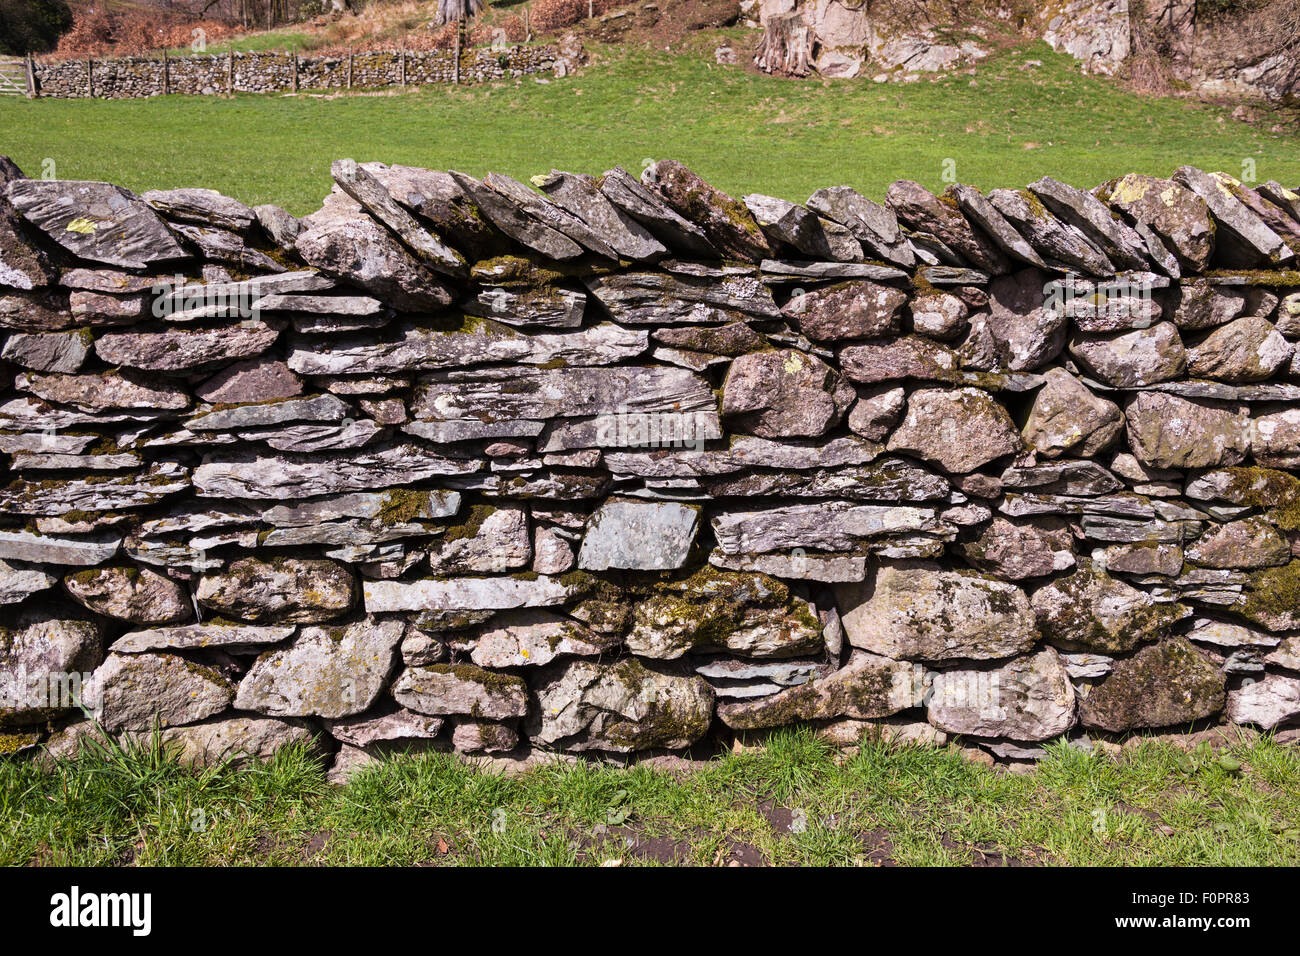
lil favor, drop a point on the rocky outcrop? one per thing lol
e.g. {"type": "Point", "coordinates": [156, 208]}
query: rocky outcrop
{"type": "Point", "coordinates": [628, 465]}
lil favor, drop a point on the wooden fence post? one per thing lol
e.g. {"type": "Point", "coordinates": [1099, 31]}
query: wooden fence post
{"type": "Point", "coordinates": [350, 58]}
{"type": "Point", "coordinates": [31, 78]}
{"type": "Point", "coordinates": [90, 77]}
{"type": "Point", "coordinates": [402, 74]}
{"type": "Point", "coordinates": [230, 72]}
{"type": "Point", "coordinates": [167, 83]}
{"type": "Point", "coordinates": [294, 54]}
{"type": "Point", "coordinates": [455, 65]}
{"type": "Point", "coordinates": [528, 31]}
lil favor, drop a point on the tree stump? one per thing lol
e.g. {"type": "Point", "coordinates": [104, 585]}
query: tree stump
{"type": "Point", "coordinates": [786, 46]}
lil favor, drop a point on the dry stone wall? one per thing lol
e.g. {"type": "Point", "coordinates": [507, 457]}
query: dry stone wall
{"type": "Point", "coordinates": [626, 464]}
{"type": "Point", "coordinates": [125, 77]}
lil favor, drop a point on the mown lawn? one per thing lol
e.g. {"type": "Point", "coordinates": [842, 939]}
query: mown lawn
{"type": "Point", "coordinates": [792, 802]}
{"type": "Point", "coordinates": [1013, 123]}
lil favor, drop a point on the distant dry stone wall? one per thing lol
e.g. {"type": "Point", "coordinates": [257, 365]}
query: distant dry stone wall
{"type": "Point", "coordinates": [126, 77]}
{"type": "Point", "coordinates": [626, 464]}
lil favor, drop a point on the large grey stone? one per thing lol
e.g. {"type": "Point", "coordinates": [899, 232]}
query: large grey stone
{"type": "Point", "coordinates": [329, 672]}
{"type": "Point", "coordinates": [132, 594]}
{"type": "Point", "coordinates": [1163, 685]}
{"type": "Point", "coordinates": [97, 222]}
{"type": "Point", "coordinates": [281, 590]}
{"type": "Point", "coordinates": [915, 611]}
{"type": "Point", "coordinates": [132, 691]}
{"type": "Point", "coordinates": [1029, 698]}
{"type": "Point", "coordinates": [785, 393]}
{"type": "Point", "coordinates": [620, 706]}
{"type": "Point", "coordinates": [445, 689]}
{"type": "Point", "coordinates": [1091, 611]}
{"type": "Point", "coordinates": [639, 535]}
{"type": "Point", "coordinates": [960, 430]}
{"type": "Point", "coordinates": [1165, 431]}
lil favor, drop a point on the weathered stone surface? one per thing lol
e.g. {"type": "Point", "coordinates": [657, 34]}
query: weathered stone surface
{"type": "Point", "coordinates": [1122, 246]}
{"type": "Point", "coordinates": [907, 357]}
{"type": "Point", "coordinates": [1162, 685]}
{"type": "Point", "coordinates": [22, 265]}
{"type": "Point", "coordinates": [327, 672]}
{"type": "Point", "coordinates": [538, 307]}
{"type": "Point", "coordinates": [497, 395]}
{"type": "Point", "coordinates": [63, 352]}
{"type": "Point", "coordinates": [1165, 431]}
{"type": "Point", "coordinates": [1140, 558]}
{"type": "Point", "coordinates": [131, 691]}
{"type": "Point", "coordinates": [1245, 350]}
{"type": "Point", "coordinates": [97, 222]}
{"type": "Point", "coordinates": [868, 686]}
{"type": "Point", "coordinates": [492, 540]}
{"type": "Point", "coordinates": [1276, 439]}
{"type": "Point", "coordinates": [464, 594]}
{"type": "Point", "coordinates": [311, 408]}
{"type": "Point", "coordinates": [400, 724]}
{"type": "Point", "coordinates": [892, 479]}
{"type": "Point", "coordinates": [1090, 611]}
{"type": "Point", "coordinates": [847, 310]}
{"type": "Point", "coordinates": [1053, 239]}
{"type": "Point", "coordinates": [531, 638]}
{"type": "Point", "coordinates": [483, 736]}
{"type": "Point", "coordinates": [1027, 333]}
{"type": "Point", "coordinates": [1016, 550]}
{"type": "Point", "coordinates": [826, 526]}
{"type": "Point", "coordinates": [1179, 216]}
{"type": "Point", "coordinates": [980, 211]}
{"type": "Point", "coordinates": [44, 656]}
{"type": "Point", "coordinates": [1140, 357]}
{"type": "Point", "coordinates": [580, 196]}
{"type": "Point", "coordinates": [875, 226]}
{"type": "Point", "coordinates": [184, 349]}
{"type": "Point", "coordinates": [93, 494]}
{"type": "Point", "coordinates": [445, 689]}
{"type": "Point", "coordinates": [627, 194]}
{"type": "Point", "coordinates": [203, 206]}
{"type": "Point", "coordinates": [938, 315]}
{"type": "Point", "coordinates": [621, 706]}
{"type": "Point", "coordinates": [78, 552]}
{"type": "Point", "coordinates": [130, 594]}
{"type": "Point", "coordinates": [221, 634]}
{"type": "Point", "coordinates": [1248, 543]}
{"type": "Point", "coordinates": [360, 251]}
{"type": "Point", "coordinates": [1067, 418]}
{"type": "Point", "coordinates": [642, 536]}
{"type": "Point", "coordinates": [748, 615]}
{"type": "Point", "coordinates": [657, 298]}
{"type": "Point", "coordinates": [281, 227]}
{"type": "Point", "coordinates": [234, 740]}
{"type": "Point", "coordinates": [877, 411]}
{"type": "Point", "coordinates": [809, 567]}
{"type": "Point", "coordinates": [481, 342]}
{"type": "Point", "coordinates": [549, 214]}
{"type": "Point", "coordinates": [18, 582]}
{"type": "Point", "coordinates": [1286, 654]}
{"type": "Point", "coordinates": [248, 475]}
{"type": "Point", "coordinates": [508, 216]}
{"type": "Point", "coordinates": [1265, 703]}
{"type": "Point", "coordinates": [726, 222]}
{"type": "Point", "coordinates": [915, 611]}
{"type": "Point", "coordinates": [283, 590]}
{"type": "Point", "coordinates": [924, 212]}
{"type": "Point", "coordinates": [1199, 304]}
{"type": "Point", "coordinates": [1030, 698]}
{"type": "Point", "coordinates": [960, 429]}
{"type": "Point", "coordinates": [106, 392]}
{"type": "Point", "coordinates": [366, 189]}
{"type": "Point", "coordinates": [786, 224]}
{"type": "Point", "coordinates": [785, 393]}
{"type": "Point", "coordinates": [1268, 598]}
{"type": "Point", "coordinates": [1241, 237]}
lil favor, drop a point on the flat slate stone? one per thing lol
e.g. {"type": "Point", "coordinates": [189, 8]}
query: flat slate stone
{"type": "Point", "coordinates": [640, 536]}
{"type": "Point", "coordinates": [248, 475]}
{"type": "Point", "coordinates": [464, 594]}
{"type": "Point", "coordinates": [97, 222]}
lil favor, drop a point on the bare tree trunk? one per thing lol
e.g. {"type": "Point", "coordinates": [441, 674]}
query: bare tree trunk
{"type": "Point", "coordinates": [786, 46]}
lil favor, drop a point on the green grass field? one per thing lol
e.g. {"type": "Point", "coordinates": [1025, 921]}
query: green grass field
{"type": "Point", "coordinates": [746, 133]}
{"type": "Point", "coordinates": [794, 801]}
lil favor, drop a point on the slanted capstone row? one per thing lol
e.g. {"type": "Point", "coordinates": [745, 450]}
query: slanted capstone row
{"type": "Point", "coordinates": [625, 464]}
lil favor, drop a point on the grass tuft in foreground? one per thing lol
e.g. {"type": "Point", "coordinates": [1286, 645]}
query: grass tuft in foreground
{"type": "Point", "coordinates": [795, 801]}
